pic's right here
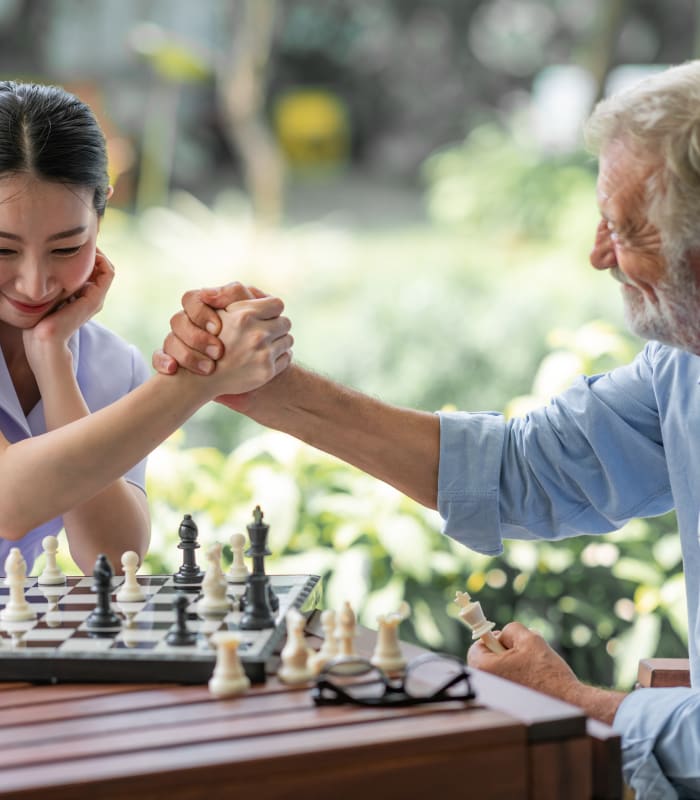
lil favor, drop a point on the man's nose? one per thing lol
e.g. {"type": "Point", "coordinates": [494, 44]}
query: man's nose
{"type": "Point", "coordinates": [603, 253]}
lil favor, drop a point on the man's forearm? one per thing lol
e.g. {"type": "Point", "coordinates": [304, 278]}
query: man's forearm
{"type": "Point", "coordinates": [600, 704]}
{"type": "Point", "coordinates": [399, 446]}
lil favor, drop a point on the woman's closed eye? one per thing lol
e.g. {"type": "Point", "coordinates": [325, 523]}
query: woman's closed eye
{"type": "Point", "coordinates": [66, 251]}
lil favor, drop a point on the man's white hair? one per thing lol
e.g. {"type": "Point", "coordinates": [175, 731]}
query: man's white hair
{"type": "Point", "coordinates": [659, 120]}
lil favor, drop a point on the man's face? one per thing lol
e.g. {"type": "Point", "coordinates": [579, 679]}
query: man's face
{"type": "Point", "coordinates": [661, 300]}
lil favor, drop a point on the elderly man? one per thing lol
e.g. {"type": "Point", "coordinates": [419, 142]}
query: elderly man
{"type": "Point", "coordinates": [611, 447]}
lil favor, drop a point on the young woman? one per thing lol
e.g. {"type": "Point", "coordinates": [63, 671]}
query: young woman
{"type": "Point", "coordinates": [78, 413]}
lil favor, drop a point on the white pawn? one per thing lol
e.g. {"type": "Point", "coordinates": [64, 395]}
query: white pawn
{"type": "Point", "coordinates": [214, 600]}
{"type": "Point", "coordinates": [329, 648]}
{"type": "Point", "coordinates": [345, 631]}
{"type": "Point", "coordinates": [471, 614]}
{"type": "Point", "coordinates": [228, 678]}
{"type": "Point", "coordinates": [17, 608]}
{"type": "Point", "coordinates": [387, 654]}
{"type": "Point", "coordinates": [238, 571]}
{"type": "Point", "coordinates": [295, 654]}
{"type": "Point", "coordinates": [52, 575]}
{"type": "Point", "coordinates": [130, 591]}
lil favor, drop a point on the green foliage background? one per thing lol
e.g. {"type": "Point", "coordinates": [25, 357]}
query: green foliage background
{"type": "Point", "coordinates": [461, 311]}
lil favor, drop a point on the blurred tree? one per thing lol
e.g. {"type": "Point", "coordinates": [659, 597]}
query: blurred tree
{"type": "Point", "coordinates": [598, 52]}
{"type": "Point", "coordinates": [241, 82]}
{"type": "Point", "coordinates": [173, 63]}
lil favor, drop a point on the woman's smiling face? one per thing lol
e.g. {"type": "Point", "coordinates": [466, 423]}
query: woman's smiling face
{"type": "Point", "coordinates": [48, 234]}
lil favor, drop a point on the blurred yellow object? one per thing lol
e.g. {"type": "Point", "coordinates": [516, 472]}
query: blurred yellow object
{"type": "Point", "coordinates": [312, 127]}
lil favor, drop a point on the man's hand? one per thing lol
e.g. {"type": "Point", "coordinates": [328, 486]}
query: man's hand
{"type": "Point", "coordinates": [193, 342]}
{"type": "Point", "coordinates": [256, 342]}
{"type": "Point", "coordinates": [528, 660]}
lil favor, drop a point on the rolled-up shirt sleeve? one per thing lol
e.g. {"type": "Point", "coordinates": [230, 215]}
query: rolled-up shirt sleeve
{"type": "Point", "coordinates": [585, 463]}
{"type": "Point", "coordinates": [660, 731]}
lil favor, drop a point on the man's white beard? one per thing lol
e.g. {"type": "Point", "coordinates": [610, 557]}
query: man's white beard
{"type": "Point", "coordinates": [675, 319]}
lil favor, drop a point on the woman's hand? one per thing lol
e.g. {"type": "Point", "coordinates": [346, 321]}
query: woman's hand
{"type": "Point", "coordinates": [49, 337]}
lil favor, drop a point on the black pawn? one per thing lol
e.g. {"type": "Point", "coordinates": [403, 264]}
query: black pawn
{"type": "Point", "coordinates": [103, 621]}
{"type": "Point", "coordinates": [180, 635]}
{"type": "Point", "coordinates": [258, 550]}
{"type": "Point", "coordinates": [189, 572]}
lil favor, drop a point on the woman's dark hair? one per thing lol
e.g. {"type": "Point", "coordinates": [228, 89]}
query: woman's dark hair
{"type": "Point", "coordinates": [52, 134]}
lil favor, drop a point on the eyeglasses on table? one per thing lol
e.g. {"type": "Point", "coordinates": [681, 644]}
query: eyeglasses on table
{"type": "Point", "coordinates": [429, 678]}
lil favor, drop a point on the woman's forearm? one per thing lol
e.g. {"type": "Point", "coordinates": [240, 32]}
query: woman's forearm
{"type": "Point", "coordinates": [117, 517]}
{"type": "Point", "coordinates": [47, 475]}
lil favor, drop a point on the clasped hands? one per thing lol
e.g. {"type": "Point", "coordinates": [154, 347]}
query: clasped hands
{"type": "Point", "coordinates": [234, 319]}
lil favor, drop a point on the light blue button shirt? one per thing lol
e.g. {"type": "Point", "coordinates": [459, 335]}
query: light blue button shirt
{"type": "Point", "coordinates": [612, 447]}
{"type": "Point", "coordinates": [106, 368]}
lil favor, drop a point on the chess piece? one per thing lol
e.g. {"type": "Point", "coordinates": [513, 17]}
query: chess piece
{"type": "Point", "coordinates": [238, 571]}
{"type": "Point", "coordinates": [189, 572]}
{"type": "Point", "coordinates": [345, 632]}
{"type": "Point", "coordinates": [130, 591]}
{"type": "Point", "coordinates": [257, 613]}
{"type": "Point", "coordinates": [17, 608]}
{"type": "Point", "coordinates": [329, 648]}
{"type": "Point", "coordinates": [295, 654]}
{"type": "Point", "coordinates": [257, 533]}
{"type": "Point", "coordinates": [52, 575]}
{"type": "Point", "coordinates": [229, 678]}
{"type": "Point", "coordinates": [180, 635]}
{"type": "Point", "coordinates": [102, 621]}
{"type": "Point", "coordinates": [387, 654]}
{"type": "Point", "coordinates": [259, 602]}
{"type": "Point", "coordinates": [472, 615]}
{"type": "Point", "coordinates": [215, 601]}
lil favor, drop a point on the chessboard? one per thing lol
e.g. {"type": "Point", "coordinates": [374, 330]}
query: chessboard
{"type": "Point", "coordinates": [57, 646]}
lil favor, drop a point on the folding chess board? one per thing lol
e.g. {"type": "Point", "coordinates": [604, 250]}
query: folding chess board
{"type": "Point", "coordinates": [56, 646]}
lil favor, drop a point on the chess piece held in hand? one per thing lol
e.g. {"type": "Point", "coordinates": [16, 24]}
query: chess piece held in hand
{"type": "Point", "coordinates": [471, 614]}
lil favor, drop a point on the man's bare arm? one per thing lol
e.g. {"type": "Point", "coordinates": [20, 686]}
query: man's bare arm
{"type": "Point", "coordinates": [397, 445]}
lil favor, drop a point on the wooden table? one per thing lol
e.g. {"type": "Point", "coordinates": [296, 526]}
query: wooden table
{"type": "Point", "coordinates": [177, 742]}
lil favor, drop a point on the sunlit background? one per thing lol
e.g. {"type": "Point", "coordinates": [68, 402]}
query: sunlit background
{"type": "Point", "coordinates": [409, 177]}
